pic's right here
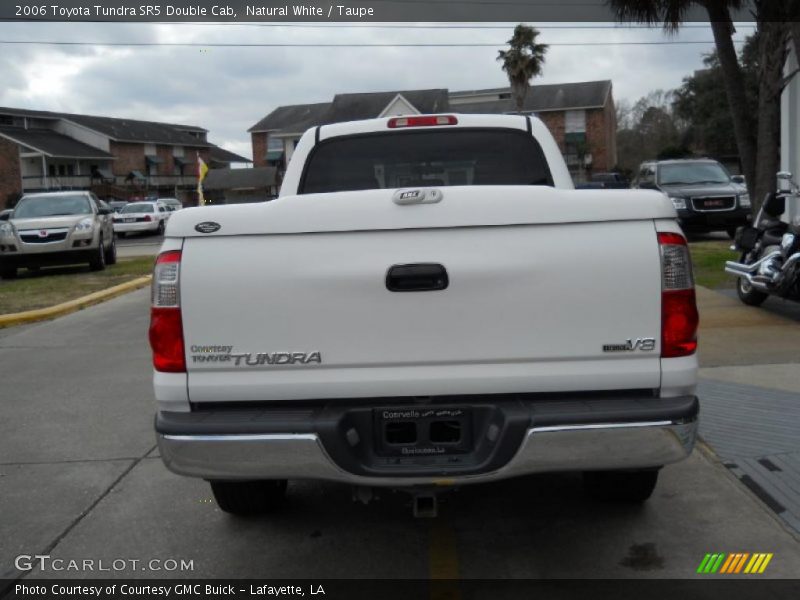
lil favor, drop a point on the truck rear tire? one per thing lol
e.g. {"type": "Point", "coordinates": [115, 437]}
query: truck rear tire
{"type": "Point", "coordinates": [620, 486]}
{"type": "Point", "coordinates": [249, 497]}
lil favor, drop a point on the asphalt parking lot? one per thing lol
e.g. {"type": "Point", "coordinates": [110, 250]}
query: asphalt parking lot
{"type": "Point", "coordinates": [139, 245]}
{"type": "Point", "coordinates": [80, 479]}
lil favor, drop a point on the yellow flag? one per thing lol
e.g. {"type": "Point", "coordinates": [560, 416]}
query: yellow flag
{"type": "Point", "coordinates": [202, 171]}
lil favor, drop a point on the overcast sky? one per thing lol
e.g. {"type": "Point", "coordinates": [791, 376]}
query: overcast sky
{"type": "Point", "coordinates": [227, 90]}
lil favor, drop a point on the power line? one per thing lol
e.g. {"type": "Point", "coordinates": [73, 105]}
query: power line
{"type": "Point", "coordinates": [355, 45]}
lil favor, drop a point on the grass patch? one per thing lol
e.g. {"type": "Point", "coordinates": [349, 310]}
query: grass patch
{"type": "Point", "coordinates": [54, 285]}
{"type": "Point", "coordinates": [708, 259]}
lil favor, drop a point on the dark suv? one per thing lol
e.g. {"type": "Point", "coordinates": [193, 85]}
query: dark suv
{"type": "Point", "coordinates": [701, 191]}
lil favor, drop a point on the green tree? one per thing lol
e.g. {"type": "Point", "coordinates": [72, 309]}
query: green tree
{"type": "Point", "coordinates": [522, 61]}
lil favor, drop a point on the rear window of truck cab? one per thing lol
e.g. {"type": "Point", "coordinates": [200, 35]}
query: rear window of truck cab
{"type": "Point", "coordinates": [425, 158]}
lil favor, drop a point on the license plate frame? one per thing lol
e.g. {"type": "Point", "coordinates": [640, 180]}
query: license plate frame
{"type": "Point", "coordinates": [437, 431]}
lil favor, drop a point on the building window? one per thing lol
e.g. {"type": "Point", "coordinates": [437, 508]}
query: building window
{"type": "Point", "coordinates": [575, 147]}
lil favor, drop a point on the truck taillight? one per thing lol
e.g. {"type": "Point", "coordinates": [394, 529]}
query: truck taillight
{"type": "Point", "coordinates": [166, 325]}
{"type": "Point", "coordinates": [679, 318]}
{"type": "Point", "coordinates": [423, 121]}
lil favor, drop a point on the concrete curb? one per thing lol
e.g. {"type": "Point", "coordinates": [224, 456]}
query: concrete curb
{"type": "Point", "coordinates": [51, 312]}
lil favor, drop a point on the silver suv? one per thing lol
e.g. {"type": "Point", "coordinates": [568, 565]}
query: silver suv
{"type": "Point", "coordinates": [57, 228]}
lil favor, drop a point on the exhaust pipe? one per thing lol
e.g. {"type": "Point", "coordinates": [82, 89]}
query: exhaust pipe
{"type": "Point", "coordinates": [740, 269]}
{"type": "Point", "coordinates": [748, 272]}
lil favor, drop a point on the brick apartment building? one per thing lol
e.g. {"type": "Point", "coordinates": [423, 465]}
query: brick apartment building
{"type": "Point", "coordinates": [115, 158]}
{"type": "Point", "coordinates": [581, 116]}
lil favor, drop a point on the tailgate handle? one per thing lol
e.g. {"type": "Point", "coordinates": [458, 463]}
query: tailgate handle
{"type": "Point", "coordinates": [424, 277]}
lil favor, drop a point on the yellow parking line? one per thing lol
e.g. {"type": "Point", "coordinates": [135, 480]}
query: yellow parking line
{"type": "Point", "coordinates": [443, 564]}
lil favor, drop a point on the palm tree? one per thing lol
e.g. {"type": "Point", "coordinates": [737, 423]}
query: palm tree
{"type": "Point", "coordinates": [522, 61]}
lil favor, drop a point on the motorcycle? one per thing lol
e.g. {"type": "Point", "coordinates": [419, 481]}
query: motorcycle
{"type": "Point", "coordinates": [769, 264]}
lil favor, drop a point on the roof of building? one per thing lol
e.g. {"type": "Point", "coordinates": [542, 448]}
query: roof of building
{"type": "Point", "coordinates": [541, 98]}
{"type": "Point", "coordinates": [294, 118]}
{"type": "Point", "coordinates": [226, 156]}
{"type": "Point", "coordinates": [500, 90]}
{"type": "Point", "coordinates": [240, 179]}
{"type": "Point", "coordinates": [123, 130]}
{"type": "Point", "coordinates": [351, 107]}
{"type": "Point", "coordinates": [52, 143]}
{"type": "Point", "coordinates": [348, 107]}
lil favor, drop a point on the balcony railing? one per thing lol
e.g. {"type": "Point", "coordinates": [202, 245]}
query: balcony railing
{"type": "Point", "coordinates": [163, 180]}
{"type": "Point", "coordinates": [83, 182]}
{"type": "Point", "coordinates": [75, 182]}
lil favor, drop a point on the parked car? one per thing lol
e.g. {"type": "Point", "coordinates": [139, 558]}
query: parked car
{"type": "Point", "coordinates": [172, 204]}
{"type": "Point", "coordinates": [57, 228]}
{"type": "Point", "coordinates": [702, 192]}
{"type": "Point", "coordinates": [611, 181]}
{"type": "Point", "coordinates": [138, 217]}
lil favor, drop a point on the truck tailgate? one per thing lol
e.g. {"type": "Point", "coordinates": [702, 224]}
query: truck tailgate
{"type": "Point", "coordinates": [528, 307]}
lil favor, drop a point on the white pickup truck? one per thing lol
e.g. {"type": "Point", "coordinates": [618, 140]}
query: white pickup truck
{"type": "Point", "coordinates": [428, 303]}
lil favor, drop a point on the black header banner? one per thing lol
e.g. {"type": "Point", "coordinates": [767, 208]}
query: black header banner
{"type": "Point", "coordinates": [243, 11]}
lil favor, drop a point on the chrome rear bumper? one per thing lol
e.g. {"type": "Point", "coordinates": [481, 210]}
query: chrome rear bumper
{"type": "Point", "coordinates": [596, 446]}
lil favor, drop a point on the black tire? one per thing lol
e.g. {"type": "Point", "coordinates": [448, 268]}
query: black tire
{"type": "Point", "coordinates": [749, 295]}
{"type": "Point", "coordinates": [161, 228]}
{"type": "Point", "coordinates": [620, 486]}
{"type": "Point", "coordinates": [8, 272]}
{"type": "Point", "coordinates": [245, 498]}
{"type": "Point", "coordinates": [111, 252]}
{"type": "Point", "coordinates": [98, 262]}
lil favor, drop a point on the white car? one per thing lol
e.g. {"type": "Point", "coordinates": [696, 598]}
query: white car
{"type": "Point", "coordinates": [172, 204]}
{"type": "Point", "coordinates": [139, 217]}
